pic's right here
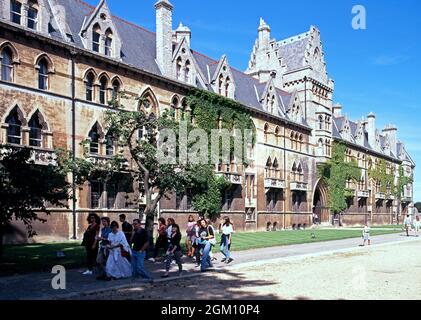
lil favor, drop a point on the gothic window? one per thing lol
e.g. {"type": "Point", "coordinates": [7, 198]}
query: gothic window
{"type": "Point", "coordinates": [89, 83]}
{"type": "Point", "coordinates": [103, 90]}
{"type": "Point", "coordinates": [301, 141]}
{"type": "Point", "coordinates": [174, 108]}
{"type": "Point", "coordinates": [35, 131]}
{"type": "Point", "coordinates": [15, 11]}
{"type": "Point", "coordinates": [43, 74]}
{"type": "Point", "coordinates": [179, 66]}
{"type": "Point", "coordinates": [96, 188]}
{"type": "Point", "coordinates": [33, 15]}
{"type": "Point", "coordinates": [227, 87]}
{"type": "Point", "coordinates": [277, 135]}
{"type": "Point", "coordinates": [14, 128]}
{"type": "Point", "coordinates": [266, 132]}
{"type": "Point", "coordinates": [108, 43]}
{"type": "Point", "coordinates": [94, 140]}
{"type": "Point", "coordinates": [294, 173]}
{"type": "Point", "coordinates": [220, 84]}
{"type": "Point", "coordinates": [188, 72]}
{"type": "Point", "coordinates": [7, 65]}
{"type": "Point", "coordinates": [320, 148]}
{"type": "Point", "coordinates": [109, 143]}
{"type": "Point", "coordinates": [327, 123]}
{"type": "Point", "coordinates": [96, 36]}
{"type": "Point", "coordinates": [268, 168]}
{"type": "Point", "coordinates": [276, 170]}
{"type": "Point", "coordinates": [116, 90]}
{"type": "Point", "coordinates": [327, 144]}
{"type": "Point", "coordinates": [320, 123]}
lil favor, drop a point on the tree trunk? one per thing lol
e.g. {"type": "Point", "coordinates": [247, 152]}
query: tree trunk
{"type": "Point", "coordinates": [149, 227]}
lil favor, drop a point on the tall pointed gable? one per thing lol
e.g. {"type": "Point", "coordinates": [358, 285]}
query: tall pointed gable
{"type": "Point", "coordinates": [270, 98]}
{"type": "Point", "coordinates": [223, 79]}
{"type": "Point", "coordinates": [295, 108]}
{"type": "Point", "coordinates": [185, 66]}
{"type": "Point", "coordinates": [345, 130]}
{"type": "Point", "coordinates": [360, 134]}
{"type": "Point", "coordinates": [100, 21]}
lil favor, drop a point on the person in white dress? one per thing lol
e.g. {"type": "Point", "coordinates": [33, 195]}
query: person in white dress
{"type": "Point", "coordinates": [117, 265]}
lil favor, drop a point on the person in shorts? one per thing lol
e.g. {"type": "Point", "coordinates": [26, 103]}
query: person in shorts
{"type": "Point", "coordinates": [366, 235]}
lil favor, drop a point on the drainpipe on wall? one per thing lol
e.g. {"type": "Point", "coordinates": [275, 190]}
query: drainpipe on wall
{"type": "Point", "coordinates": [73, 56]}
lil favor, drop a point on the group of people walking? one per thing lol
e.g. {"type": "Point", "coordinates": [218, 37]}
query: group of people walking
{"type": "Point", "coordinates": [115, 254]}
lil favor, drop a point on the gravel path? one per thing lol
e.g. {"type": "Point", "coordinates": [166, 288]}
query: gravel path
{"type": "Point", "coordinates": [389, 271]}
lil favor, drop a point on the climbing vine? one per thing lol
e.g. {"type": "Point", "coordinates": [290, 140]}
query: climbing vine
{"type": "Point", "coordinates": [402, 182]}
{"type": "Point", "coordinates": [380, 175]}
{"type": "Point", "coordinates": [335, 173]}
{"type": "Point", "coordinates": [212, 111]}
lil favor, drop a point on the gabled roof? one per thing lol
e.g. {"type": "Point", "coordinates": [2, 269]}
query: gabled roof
{"type": "Point", "coordinates": [292, 51]}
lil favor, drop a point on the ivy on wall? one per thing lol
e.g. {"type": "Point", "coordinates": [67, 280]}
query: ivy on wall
{"type": "Point", "coordinates": [335, 173]}
{"type": "Point", "coordinates": [380, 175]}
{"type": "Point", "coordinates": [210, 111]}
{"type": "Point", "coordinates": [402, 182]}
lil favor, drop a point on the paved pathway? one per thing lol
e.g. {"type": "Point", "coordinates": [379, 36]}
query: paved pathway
{"type": "Point", "coordinates": [38, 285]}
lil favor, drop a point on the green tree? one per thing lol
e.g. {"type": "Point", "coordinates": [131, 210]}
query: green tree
{"type": "Point", "coordinates": [26, 189]}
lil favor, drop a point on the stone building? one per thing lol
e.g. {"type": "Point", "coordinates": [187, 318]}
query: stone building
{"type": "Point", "coordinates": [63, 60]}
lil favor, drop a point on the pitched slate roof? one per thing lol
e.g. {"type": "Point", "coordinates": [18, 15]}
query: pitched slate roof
{"type": "Point", "coordinates": [293, 50]}
{"type": "Point", "coordinates": [138, 44]}
{"type": "Point", "coordinates": [139, 50]}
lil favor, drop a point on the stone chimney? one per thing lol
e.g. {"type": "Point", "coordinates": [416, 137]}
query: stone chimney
{"type": "Point", "coordinates": [183, 32]}
{"type": "Point", "coordinates": [264, 34]}
{"type": "Point", "coordinates": [164, 36]}
{"type": "Point", "coordinates": [337, 110]}
{"type": "Point", "coordinates": [391, 132]}
{"type": "Point", "coordinates": [371, 129]}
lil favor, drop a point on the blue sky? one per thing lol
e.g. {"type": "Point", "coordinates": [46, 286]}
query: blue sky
{"type": "Point", "coordinates": [375, 70]}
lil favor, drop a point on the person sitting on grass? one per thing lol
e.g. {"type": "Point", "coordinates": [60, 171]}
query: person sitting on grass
{"type": "Point", "coordinates": [174, 251]}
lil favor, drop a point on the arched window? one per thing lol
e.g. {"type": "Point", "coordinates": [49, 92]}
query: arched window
{"type": "Point", "coordinates": [7, 65]}
{"type": "Point", "coordinates": [35, 131]}
{"type": "Point", "coordinates": [94, 140]}
{"type": "Point", "coordinates": [301, 139]}
{"type": "Point", "coordinates": [266, 132]}
{"type": "Point", "coordinates": [179, 66]}
{"type": "Point", "coordinates": [109, 143]}
{"type": "Point", "coordinates": [294, 173]}
{"type": "Point", "coordinates": [16, 11]}
{"type": "Point", "coordinates": [90, 78]}
{"type": "Point", "coordinates": [109, 43]}
{"type": "Point", "coordinates": [320, 123]}
{"type": "Point", "coordinates": [174, 108]}
{"type": "Point", "coordinates": [277, 135]}
{"type": "Point", "coordinates": [103, 90]}
{"type": "Point", "coordinates": [14, 128]}
{"type": "Point", "coordinates": [276, 169]}
{"type": "Point", "coordinates": [188, 69]}
{"type": "Point", "coordinates": [300, 173]}
{"type": "Point", "coordinates": [220, 84]}
{"type": "Point", "coordinates": [227, 87]}
{"type": "Point", "coordinates": [33, 15]}
{"type": "Point", "coordinates": [43, 74]}
{"type": "Point", "coordinates": [96, 36]}
{"type": "Point", "coordinates": [116, 90]}
{"type": "Point", "coordinates": [268, 168]}
{"type": "Point", "coordinates": [320, 148]}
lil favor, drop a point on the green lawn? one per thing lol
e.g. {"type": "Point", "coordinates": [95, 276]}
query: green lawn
{"type": "Point", "coordinates": [22, 259]}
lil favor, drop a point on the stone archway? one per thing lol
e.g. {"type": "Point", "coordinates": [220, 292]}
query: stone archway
{"type": "Point", "coordinates": [320, 203]}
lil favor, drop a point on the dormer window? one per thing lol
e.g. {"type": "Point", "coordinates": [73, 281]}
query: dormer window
{"type": "Point", "coordinates": [227, 86]}
{"type": "Point", "coordinates": [188, 71]}
{"type": "Point", "coordinates": [33, 15]}
{"type": "Point", "coordinates": [15, 11]}
{"type": "Point", "coordinates": [96, 36]}
{"type": "Point", "coordinates": [108, 43]}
